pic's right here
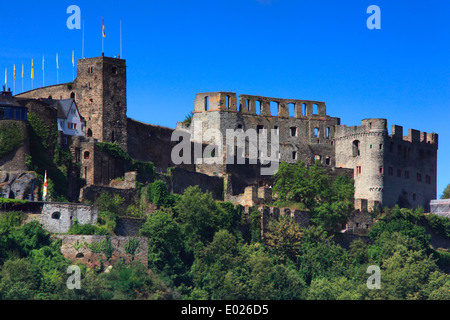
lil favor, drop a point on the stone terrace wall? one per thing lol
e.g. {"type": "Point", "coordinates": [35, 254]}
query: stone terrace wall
{"type": "Point", "coordinates": [81, 248]}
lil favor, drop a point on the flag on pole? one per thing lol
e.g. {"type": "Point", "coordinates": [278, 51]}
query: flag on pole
{"type": "Point", "coordinates": [103, 29]}
{"type": "Point", "coordinates": [44, 191]}
{"type": "Point", "coordinates": [22, 70]}
{"type": "Point", "coordinates": [32, 69]}
{"type": "Point", "coordinates": [73, 58]}
{"type": "Point", "coordinates": [43, 63]}
{"type": "Point", "coordinates": [57, 64]}
{"type": "Point", "coordinates": [14, 72]}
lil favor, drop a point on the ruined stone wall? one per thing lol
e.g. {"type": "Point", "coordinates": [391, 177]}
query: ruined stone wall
{"type": "Point", "coordinates": [181, 179]}
{"type": "Point", "coordinates": [410, 168]}
{"type": "Point", "coordinates": [57, 91]}
{"type": "Point", "coordinates": [306, 133]}
{"type": "Point", "coordinates": [97, 166]}
{"type": "Point", "coordinates": [387, 168]}
{"type": "Point", "coordinates": [148, 142]}
{"type": "Point", "coordinates": [88, 249]}
{"type": "Point", "coordinates": [91, 193]}
{"type": "Point", "coordinates": [59, 217]}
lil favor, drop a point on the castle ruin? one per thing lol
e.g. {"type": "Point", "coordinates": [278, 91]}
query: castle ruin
{"type": "Point", "coordinates": [388, 169]}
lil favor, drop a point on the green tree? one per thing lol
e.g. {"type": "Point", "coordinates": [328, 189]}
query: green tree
{"type": "Point", "coordinates": [330, 202]}
{"type": "Point", "coordinates": [283, 238]}
{"type": "Point", "coordinates": [167, 251]}
{"type": "Point", "coordinates": [446, 193]}
{"type": "Point", "coordinates": [158, 195]}
{"type": "Point", "coordinates": [319, 256]}
{"type": "Point", "coordinates": [199, 215]}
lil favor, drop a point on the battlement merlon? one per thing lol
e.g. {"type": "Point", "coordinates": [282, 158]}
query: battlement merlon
{"type": "Point", "coordinates": [414, 136]}
{"type": "Point", "coordinates": [228, 101]}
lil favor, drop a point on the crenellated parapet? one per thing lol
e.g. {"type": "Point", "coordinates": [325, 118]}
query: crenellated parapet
{"type": "Point", "coordinates": [258, 105]}
{"type": "Point", "coordinates": [414, 136]}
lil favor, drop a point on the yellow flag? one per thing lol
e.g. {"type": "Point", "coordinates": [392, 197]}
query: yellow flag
{"type": "Point", "coordinates": [22, 70]}
{"type": "Point", "coordinates": [32, 69]}
{"type": "Point", "coordinates": [57, 64]}
{"type": "Point", "coordinates": [73, 58]}
{"type": "Point", "coordinates": [103, 29]}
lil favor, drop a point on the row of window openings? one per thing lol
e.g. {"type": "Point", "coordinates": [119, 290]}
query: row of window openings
{"type": "Point", "coordinates": [316, 157]}
{"type": "Point", "coordinates": [399, 174]}
{"type": "Point", "coordinates": [293, 131]}
{"type": "Point", "coordinates": [274, 107]}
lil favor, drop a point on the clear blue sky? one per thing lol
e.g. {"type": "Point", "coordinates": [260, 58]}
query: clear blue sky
{"type": "Point", "coordinates": [317, 50]}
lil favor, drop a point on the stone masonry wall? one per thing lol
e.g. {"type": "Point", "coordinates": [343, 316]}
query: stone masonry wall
{"type": "Point", "coordinates": [96, 250]}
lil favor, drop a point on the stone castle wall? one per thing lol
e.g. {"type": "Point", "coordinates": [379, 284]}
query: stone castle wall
{"type": "Point", "coordinates": [88, 249]}
{"type": "Point", "coordinates": [387, 168]}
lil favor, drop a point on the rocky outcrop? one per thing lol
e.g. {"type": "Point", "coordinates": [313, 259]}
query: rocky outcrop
{"type": "Point", "coordinates": [17, 185]}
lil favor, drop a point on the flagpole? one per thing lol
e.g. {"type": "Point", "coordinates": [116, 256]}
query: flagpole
{"type": "Point", "coordinates": [43, 72]}
{"type": "Point", "coordinates": [82, 42]}
{"type": "Point", "coordinates": [103, 42]}
{"type": "Point", "coordinates": [22, 76]}
{"type": "Point", "coordinates": [121, 39]}
{"type": "Point", "coordinates": [73, 65]}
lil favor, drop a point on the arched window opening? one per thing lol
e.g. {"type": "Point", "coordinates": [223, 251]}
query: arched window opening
{"type": "Point", "coordinates": [86, 155]}
{"type": "Point", "coordinates": [356, 148]}
{"type": "Point", "coordinates": [56, 215]}
{"type": "Point", "coordinates": [316, 132]}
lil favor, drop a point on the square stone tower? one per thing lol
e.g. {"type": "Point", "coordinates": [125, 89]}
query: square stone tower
{"type": "Point", "coordinates": [101, 95]}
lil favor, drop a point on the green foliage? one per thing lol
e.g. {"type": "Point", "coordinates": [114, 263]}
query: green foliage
{"type": "Point", "coordinates": [46, 155]}
{"type": "Point", "coordinates": [87, 229]}
{"type": "Point", "coordinates": [440, 225]}
{"type": "Point", "coordinates": [12, 136]}
{"type": "Point", "coordinates": [167, 249]}
{"type": "Point", "coordinates": [107, 202]}
{"type": "Point", "coordinates": [131, 247]}
{"type": "Point", "coordinates": [330, 202]}
{"type": "Point", "coordinates": [200, 216]}
{"type": "Point", "coordinates": [187, 121]}
{"type": "Point", "coordinates": [158, 195]}
{"type": "Point", "coordinates": [446, 193]}
{"type": "Point", "coordinates": [104, 247]}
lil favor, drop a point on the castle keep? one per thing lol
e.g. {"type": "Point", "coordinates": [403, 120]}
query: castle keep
{"type": "Point", "coordinates": [388, 169]}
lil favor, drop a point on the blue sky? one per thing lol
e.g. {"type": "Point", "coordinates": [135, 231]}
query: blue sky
{"type": "Point", "coordinates": [316, 50]}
